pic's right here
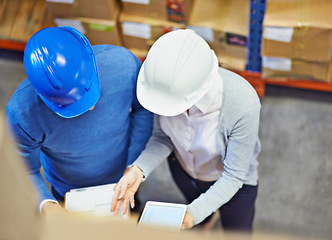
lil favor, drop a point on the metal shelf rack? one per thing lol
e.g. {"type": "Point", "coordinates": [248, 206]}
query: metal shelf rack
{"type": "Point", "coordinates": [254, 59]}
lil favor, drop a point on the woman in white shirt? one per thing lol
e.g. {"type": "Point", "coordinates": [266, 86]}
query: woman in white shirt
{"type": "Point", "coordinates": [206, 123]}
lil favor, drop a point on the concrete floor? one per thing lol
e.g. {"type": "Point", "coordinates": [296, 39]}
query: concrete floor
{"type": "Point", "coordinates": [295, 193]}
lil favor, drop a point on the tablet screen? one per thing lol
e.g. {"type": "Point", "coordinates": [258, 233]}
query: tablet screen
{"type": "Point", "coordinates": [169, 215]}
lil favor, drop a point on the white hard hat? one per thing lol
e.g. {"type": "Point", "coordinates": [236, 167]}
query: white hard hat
{"type": "Point", "coordinates": [176, 74]}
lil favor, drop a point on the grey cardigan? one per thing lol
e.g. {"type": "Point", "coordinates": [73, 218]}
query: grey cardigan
{"type": "Point", "coordinates": [237, 140]}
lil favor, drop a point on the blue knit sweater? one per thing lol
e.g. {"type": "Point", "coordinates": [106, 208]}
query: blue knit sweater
{"type": "Point", "coordinates": [93, 148]}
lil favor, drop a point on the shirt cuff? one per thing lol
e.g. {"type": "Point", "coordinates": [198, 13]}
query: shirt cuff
{"type": "Point", "coordinates": [44, 201]}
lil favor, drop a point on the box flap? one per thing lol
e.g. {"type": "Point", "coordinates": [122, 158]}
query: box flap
{"type": "Point", "coordinates": [222, 15]}
{"type": "Point", "coordinates": [296, 13]}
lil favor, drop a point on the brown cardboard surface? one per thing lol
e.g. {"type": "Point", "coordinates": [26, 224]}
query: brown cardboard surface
{"type": "Point", "coordinates": [9, 12]}
{"type": "Point", "coordinates": [317, 71]}
{"type": "Point", "coordinates": [230, 56]}
{"type": "Point", "coordinates": [166, 10]}
{"type": "Point", "coordinates": [100, 9]}
{"type": "Point", "coordinates": [157, 29]}
{"type": "Point", "coordinates": [100, 31]}
{"type": "Point", "coordinates": [156, 9]}
{"type": "Point", "coordinates": [29, 19]}
{"type": "Point", "coordinates": [20, 220]}
{"type": "Point", "coordinates": [221, 15]}
{"type": "Point", "coordinates": [313, 44]}
{"type": "Point", "coordinates": [224, 17]}
{"type": "Point", "coordinates": [21, 19]}
{"type": "Point", "coordinates": [19, 216]}
{"type": "Point", "coordinates": [312, 24]}
{"type": "Point", "coordinates": [285, 13]}
{"type": "Point", "coordinates": [87, 228]}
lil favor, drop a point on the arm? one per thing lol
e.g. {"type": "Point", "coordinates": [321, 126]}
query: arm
{"type": "Point", "coordinates": [141, 125]}
{"type": "Point", "coordinates": [240, 147]}
{"type": "Point", "coordinates": [158, 148]}
{"type": "Point", "coordinates": [29, 149]}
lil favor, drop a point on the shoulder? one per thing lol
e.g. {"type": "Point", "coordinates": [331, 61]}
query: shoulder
{"type": "Point", "coordinates": [111, 52]}
{"type": "Point", "coordinates": [23, 100]}
{"type": "Point", "coordinates": [23, 94]}
{"type": "Point", "coordinates": [238, 92]}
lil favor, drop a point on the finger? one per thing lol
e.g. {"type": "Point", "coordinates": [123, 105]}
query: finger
{"type": "Point", "coordinates": [123, 188]}
{"type": "Point", "coordinates": [117, 209]}
{"type": "Point", "coordinates": [115, 197]}
{"type": "Point", "coordinates": [132, 202]}
{"type": "Point", "coordinates": [124, 206]}
{"type": "Point", "coordinates": [183, 227]}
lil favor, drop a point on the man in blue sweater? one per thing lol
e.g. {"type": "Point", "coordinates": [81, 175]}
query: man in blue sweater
{"type": "Point", "coordinates": [76, 114]}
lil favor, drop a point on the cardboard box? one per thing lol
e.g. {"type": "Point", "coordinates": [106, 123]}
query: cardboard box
{"type": "Point", "coordinates": [222, 15]}
{"type": "Point", "coordinates": [278, 68]}
{"type": "Point", "coordinates": [167, 10]}
{"type": "Point", "coordinates": [224, 25]}
{"type": "Point", "coordinates": [20, 219]}
{"type": "Point", "coordinates": [97, 9]}
{"type": "Point", "coordinates": [139, 33]}
{"type": "Point", "coordinates": [97, 31]}
{"type": "Point", "coordinates": [298, 29]}
{"type": "Point", "coordinates": [19, 19]}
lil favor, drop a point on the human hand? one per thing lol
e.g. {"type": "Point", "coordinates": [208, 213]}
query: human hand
{"type": "Point", "coordinates": [52, 209]}
{"type": "Point", "coordinates": [125, 190]}
{"type": "Point", "coordinates": [188, 221]}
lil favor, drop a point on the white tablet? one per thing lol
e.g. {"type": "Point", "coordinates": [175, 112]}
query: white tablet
{"type": "Point", "coordinates": [165, 215]}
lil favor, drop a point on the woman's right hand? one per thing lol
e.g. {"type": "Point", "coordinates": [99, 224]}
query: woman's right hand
{"type": "Point", "coordinates": [125, 190]}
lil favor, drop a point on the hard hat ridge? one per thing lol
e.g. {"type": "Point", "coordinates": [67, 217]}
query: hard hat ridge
{"type": "Point", "coordinates": [176, 73]}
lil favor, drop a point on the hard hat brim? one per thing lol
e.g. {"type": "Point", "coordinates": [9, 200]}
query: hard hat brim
{"type": "Point", "coordinates": [87, 101]}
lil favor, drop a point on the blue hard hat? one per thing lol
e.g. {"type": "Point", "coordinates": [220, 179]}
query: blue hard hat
{"type": "Point", "coordinates": [60, 64]}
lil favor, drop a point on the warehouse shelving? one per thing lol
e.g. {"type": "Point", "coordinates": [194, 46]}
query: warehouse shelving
{"type": "Point", "coordinates": [253, 68]}
{"type": "Point", "coordinates": [12, 45]}
{"type": "Point", "coordinates": [254, 60]}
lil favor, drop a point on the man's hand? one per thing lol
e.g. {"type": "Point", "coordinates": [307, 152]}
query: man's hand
{"type": "Point", "coordinates": [125, 190]}
{"type": "Point", "coordinates": [188, 221]}
{"type": "Point", "coordinates": [52, 208]}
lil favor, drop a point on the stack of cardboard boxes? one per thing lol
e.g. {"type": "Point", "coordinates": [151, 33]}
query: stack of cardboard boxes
{"type": "Point", "coordinates": [297, 40]}
{"type": "Point", "coordinates": [97, 19]}
{"type": "Point", "coordinates": [224, 24]}
{"type": "Point", "coordinates": [144, 21]}
{"type": "Point", "coordinates": [137, 24]}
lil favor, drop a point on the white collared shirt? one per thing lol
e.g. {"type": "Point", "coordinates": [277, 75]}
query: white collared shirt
{"type": "Point", "coordinates": [194, 135]}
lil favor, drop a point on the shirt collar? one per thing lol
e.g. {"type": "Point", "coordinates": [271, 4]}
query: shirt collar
{"type": "Point", "coordinates": [215, 90]}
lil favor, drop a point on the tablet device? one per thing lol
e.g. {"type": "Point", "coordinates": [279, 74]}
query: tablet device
{"type": "Point", "coordinates": [164, 215]}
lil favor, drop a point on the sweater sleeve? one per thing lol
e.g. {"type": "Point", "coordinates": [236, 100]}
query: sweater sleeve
{"type": "Point", "coordinates": [141, 124]}
{"type": "Point", "coordinates": [157, 149]}
{"type": "Point", "coordinates": [240, 148]}
{"type": "Point", "coordinates": [29, 149]}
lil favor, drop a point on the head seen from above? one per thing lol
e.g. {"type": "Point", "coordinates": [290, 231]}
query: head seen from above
{"type": "Point", "coordinates": [177, 73]}
{"type": "Point", "coordinates": [60, 64]}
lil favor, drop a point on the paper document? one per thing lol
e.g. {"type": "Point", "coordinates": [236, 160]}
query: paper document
{"type": "Point", "coordinates": [96, 200]}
